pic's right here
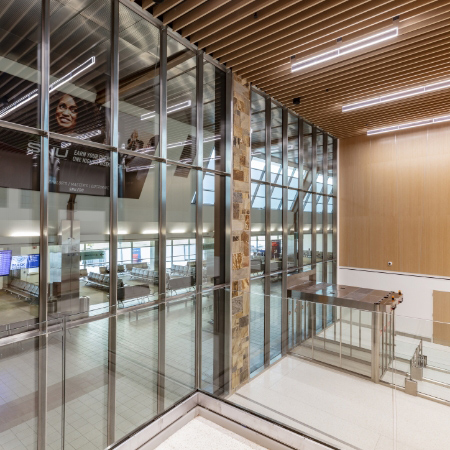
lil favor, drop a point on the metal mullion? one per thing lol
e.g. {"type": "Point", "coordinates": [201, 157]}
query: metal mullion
{"type": "Point", "coordinates": [199, 222]}
{"type": "Point", "coordinates": [114, 189]}
{"type": "Point", "coordinates": [284, 238]}
{"type": "Point", "coordinates": [162, 221]}
{"type": "Point", "coordinates": [268, 119]}
{"type": "Point", "coordinates": [22, 128]}
{"type": "Point", "coordinates": [313, 196]}
{"type": "Point", "coordinates": [44, 60]}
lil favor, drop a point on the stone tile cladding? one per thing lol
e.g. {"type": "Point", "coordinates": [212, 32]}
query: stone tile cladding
{"type": "Point", "coordinates": [240, 275]}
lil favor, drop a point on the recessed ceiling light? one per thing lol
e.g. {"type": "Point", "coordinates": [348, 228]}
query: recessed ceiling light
{"type": "Point", "coordinates": [404, 126]}
{"type": "Point", "coordinates": [397, 95]}
{"type": "Point", "coordinates": [344, 49]}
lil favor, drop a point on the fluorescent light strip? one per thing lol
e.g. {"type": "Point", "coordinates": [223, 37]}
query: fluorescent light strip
{"type": "Point", "coordinates": [404, 126]}
{"type": "Point", "coordinates": [170, 109]}
{"type": "Point", "coordinates": [345, 49]}
{"type": "Point", "coordinates": [55, 85]}
{"type": "Point", "coordinates": [397, 95]}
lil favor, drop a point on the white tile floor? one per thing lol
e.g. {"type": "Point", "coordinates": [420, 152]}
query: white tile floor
{"type": "Point", "coordinates": [202, 434]}
{"type": "Point", "coordinates": [346, 411]}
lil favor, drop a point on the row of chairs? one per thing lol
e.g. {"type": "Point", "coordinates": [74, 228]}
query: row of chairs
{"type": "Point", "coordinates": [144, 274]}
{"type": "Point", "coordinates": [100, 280]}
{"type": "Point", "coordinates": [180, 271]}
{"type": "Point", "coordinates": [28, 291]}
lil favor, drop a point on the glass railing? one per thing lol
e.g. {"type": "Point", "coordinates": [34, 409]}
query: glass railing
{"type": "Point", "coordinates": [99, 376]}
{"type": "Point", "coordinates": [349, 377]}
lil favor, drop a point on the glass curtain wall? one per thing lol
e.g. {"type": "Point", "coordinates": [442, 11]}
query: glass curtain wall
{"type": "Point", "coordinates": [113, 190]}
{"type": "Point", "coordinates": [293, 217]}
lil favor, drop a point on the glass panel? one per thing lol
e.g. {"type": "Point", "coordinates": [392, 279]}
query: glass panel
{"type": "Point", "coordinates": [80, 35]}
{"type": "Point", "coordinates": [276, 143]}
{"type": "Point", "coordinates": [86, 385]}
{"type": "Point", "coordinates": [136, 369]}
{"type": "Point", "coordinates": [138, 83]}
{"type": "Point", "coordinates": [276, 229]}
{"type": "Point", "coordinates": [19, 68]}
{"type": "Point", "coordinates": [138, 218]}
{"type": "Point", "coordinates": [330, 231]}
{"type": "Point", "coordinates": [258, 137]}
{"type": "Point", "coordinates": [19, 228]}
{"type": "Point", "coordinates": [181, 102]}
{"type": "Point", "coordinates": [213, 229]}
{"type": "Point", "coordinates": [257, 300]}
{"type": "Point", "coordinates": [79, 228]}
{"type": "Point", "coordinates": [214, 83]}
{"type": "Point", "coordinates": [293, 216]}
{"type": "Point", "coordinates": [258, 229]}
{"type": "Point", "coordinates": [307, 163]}
{"type": "Point", "coordinates": [180, 349]}
{"type": "Point", "coordinates": [19, 394]}
{"type": "Point", "coordinates": [275, 316]}
{"type": "Point", "coordinates": [292, 151]}
{"type": "Point", "coordinates": [319, 227]}
{"type": "Point", "coordinates": [181, 229]}
{"type": "Point", "coordinates": [331, 169]}
{"type": "Point", "coordinates": [307, 227]}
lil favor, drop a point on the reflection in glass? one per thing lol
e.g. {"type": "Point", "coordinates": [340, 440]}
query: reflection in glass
{"type": "Point", "coordinates": [213, 229]}
{"type": "Point", "coordinates": [214, 83]}
{"type": "Point", "coordinates": [292, 223]}
{"type": "Point", "coordinates": [181, 103]}
{"type": "Point", "coordinates": [19, 228]}
{"type": "Point", "coordinates": [138, 83]}
{"type": "Point", "coordinates": [19, 69]}
{"type": "Point", "coordinates": [181, 229]}
{"type": "Point", "coordinates": [258, 137]}
{"type": "Point", "coordinates": [307, 227]}
{"type": "Point", "coordinates": [78, 219]}
{"type": "Point", "coordinates": [276, 228]}
{"type": "Point", "coordinates": [276, 138]}
{"type": "Point", "coordinates": [80, 69]}
{"type": "Point", "coordinates": [258, 228]}
{"type": "Point", "coordinates": [257, 300]}
{"type": "Point", "coordinates": [138, 225]}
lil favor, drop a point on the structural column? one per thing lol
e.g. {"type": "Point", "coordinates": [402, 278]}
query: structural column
{"type": "Point", "coordinates": [240, 275]}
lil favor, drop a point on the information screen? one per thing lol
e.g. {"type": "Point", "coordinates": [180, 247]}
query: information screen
{"type": "Point", "coordinates": [5, 262]}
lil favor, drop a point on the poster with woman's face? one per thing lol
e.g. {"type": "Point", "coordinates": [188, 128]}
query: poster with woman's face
{"type": "Point", "coordinates": [66, 113]}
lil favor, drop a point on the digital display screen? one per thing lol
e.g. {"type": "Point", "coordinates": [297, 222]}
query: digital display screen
{"type": "Point", "coordinates": [5, 262]}
{"type": "Point", "coordinates": [24, 262]}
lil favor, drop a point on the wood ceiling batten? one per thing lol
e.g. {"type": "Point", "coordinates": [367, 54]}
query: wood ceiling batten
{"type": "Point", "coordinates": [310, 45]}
{"type": "Point", "coordinates": [259, 48]}
{"type": "Point", "coordinates": [287, 23]}
{"type": "Point", "coordinates": [214, 17]}
{"type": "Point", "coordinates": [229, 34]}
{"type": "Point", "coordinates": [198, 13]}
{"type": "Point", "coordinates": [180, 10]}
{"type": "Point", "coordinates": [146, 3]}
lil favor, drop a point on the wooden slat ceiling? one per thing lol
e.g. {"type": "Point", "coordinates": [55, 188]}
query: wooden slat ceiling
{"type": "Point", "coordinates": [258, 38]}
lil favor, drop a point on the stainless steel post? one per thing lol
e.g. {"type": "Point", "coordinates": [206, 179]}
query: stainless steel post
{"type": "Point", "coordinates": [376, 329]}
{"type": "Point", "coordinates": [340, 336]}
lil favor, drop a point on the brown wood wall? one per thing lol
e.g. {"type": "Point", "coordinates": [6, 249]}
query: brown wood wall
{"type": "Point", "coordinates": [394, 192]}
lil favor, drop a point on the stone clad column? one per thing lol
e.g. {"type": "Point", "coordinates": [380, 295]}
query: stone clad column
{"type": "Point", "coordinates": [240, 274]}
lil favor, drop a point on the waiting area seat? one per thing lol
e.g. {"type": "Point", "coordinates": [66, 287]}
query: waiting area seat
{"type": "Point", "coordinates": [100, 281]}
{"type": "Point", "coordinates": [150, 276]}
{"type": "Point", "coordinates": [23, 289]}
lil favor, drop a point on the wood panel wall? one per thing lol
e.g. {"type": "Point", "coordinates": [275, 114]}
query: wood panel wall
{"type": "Point", "coordinates": [394, 192]}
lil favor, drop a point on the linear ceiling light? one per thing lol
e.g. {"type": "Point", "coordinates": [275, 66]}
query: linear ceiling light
{"type": "Point", "coordinates": [170, 109]}
{"type": "Point", "coordinates": [404, 126]}
{"type": "Point", "coordinates": [55, 85]}
{"type": "Point", "coordinates": [397, 95]}
{"type": "Point", "coordinates": [344, 49]}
